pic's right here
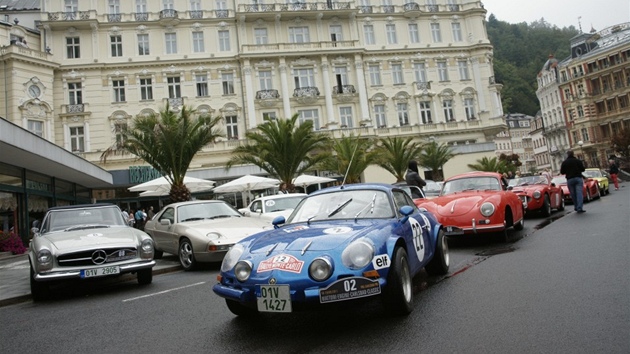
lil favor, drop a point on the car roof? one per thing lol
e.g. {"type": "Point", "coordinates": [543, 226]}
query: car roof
{"type": "Point", "coordinates": [357, 186]}
{"type": "Point", "coordinates": [81, 206]}
{"type": "Point", "coordinates": [196, 202]}
{"type": "Point", "coordinates": [475, 174]}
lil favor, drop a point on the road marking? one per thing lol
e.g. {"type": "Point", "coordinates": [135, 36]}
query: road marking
{"type": "Point", "coordinates": [16, 265]}
{"type": "Point", "coordinates": [164, 292]}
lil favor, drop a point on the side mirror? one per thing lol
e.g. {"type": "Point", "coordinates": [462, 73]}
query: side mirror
{"type": "Point", "coordinates": [510, 188]}
{"type": "Point", "coordinates": [165, 222]}
{"type": "Point", "coordinates": [278, 220]}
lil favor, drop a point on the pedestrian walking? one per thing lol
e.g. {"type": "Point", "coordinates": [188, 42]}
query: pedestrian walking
{"type": "Point", "coordinates": [139, 217]}
{"type": "Point", "coordinates": [150, 213]}
{"type": "Point", "coordinates": [131, 220]}
{"type": "Point", "coordinates": [125, 215]}
{"type": "Point", "coordinates": [613, 169]}
{"type": "Point", "coordinates": [412, 177]}
{"type": "Point", "coordinates": [572, 168]}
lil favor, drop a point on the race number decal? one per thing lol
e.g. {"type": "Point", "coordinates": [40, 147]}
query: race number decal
{"type": "Point", "coordinates": [418, 240]}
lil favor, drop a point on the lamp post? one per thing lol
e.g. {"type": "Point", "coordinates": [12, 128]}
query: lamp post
{"type": "Point", "coordinates": [581, 155]}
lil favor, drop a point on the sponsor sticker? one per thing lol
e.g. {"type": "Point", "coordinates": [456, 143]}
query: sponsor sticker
{"type": "Point", "coordinates": [282, 262]}
{"type": "Point", "coordinates": [337, 230]}
{"type": "Point", "coordinates": [348, 289]}
{"type": "Point", "coordinates": [270, 203]}
{"type": "Point", "coordinates": [295, 228]}
{"type": "Point", "coordinates": [381, 261]}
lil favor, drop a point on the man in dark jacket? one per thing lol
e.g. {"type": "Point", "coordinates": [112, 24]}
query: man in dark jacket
{"type": "Point", "coordinates": [412, 177]}
{"type": "Point", "coordinates": [572, 168]}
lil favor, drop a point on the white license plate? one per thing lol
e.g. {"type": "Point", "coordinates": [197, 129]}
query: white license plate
{"type": "Point", "coordinates": [99, 272]}
{"type": "Point", "coordinates": [274, 298]}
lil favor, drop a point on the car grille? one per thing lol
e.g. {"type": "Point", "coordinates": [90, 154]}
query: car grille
{"type": "Point", "coordinates": [96, 257]}
{"type": "Point", "coordinates": [524, 199]}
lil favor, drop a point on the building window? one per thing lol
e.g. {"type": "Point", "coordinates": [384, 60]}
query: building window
{"type": "Point", "coordinates": [143, 44]}
{"type": "Point", "coordinates": [36, 127]}
{"type": "Point", "coordinates": [114, 7]}
{"type": "Point", "coordinates": [118, 132]}
{"type": "Point", "coordinates": [75, 93]}
{"type": "Point", "coordinates": [146, 89]}
{"type": "Point", "coordinates": [390, 29]}
{"type": "Point", "coordinates": [584, 132]}
{"type": "Point", "coordinates": [580, 111]}
{"type": "Point", "coordinates": [171, 43]}
{"type": "Point", "coordinates": [116, 45]}
{"type": "Point", "coordinates": [72, 48]}
{"type": "Point", "coordinates": [457, 31]}
{"type": "Point", "coordinates": [345, 117]}
{"type": "Point", "coordinates": [269, 116]}
{"type": "Point", "coordinates": [335, 33]}
{"type": "Point", "coordinates": [447, 106]}
{"type": "Point", "coordinates": [119, 90]}
{"type": "Point", "coordinates": [469, 107]}
{"type": "Point", "coordinates": [198, 45]}
{"type": "Point", "coordinates": [77, 139]}
{"type": "Point", "coordinates": [141, 6]}
{"type": "Point", "coordinates": [403, 114]}
{"type": "Point", "coordinates": [425, 112]}
{"type": "Point", "coordinates": [264, 77]}
{"type": "Point", "coordinates": [195, 5]}
{"type": "Point", "coordinates": [71, 6]}
{"type": "Point", "coordinates": [202, 85]}
{"type": "Point", "coordinates": [414, 35]}
{"type": "Point", "coordinates": [224, 41]}
{"type": "Point", "coordinates": [304, 78]}
{"type": "Point", "coordinates": [368, 32]}
{"type": "Point", "coordinates": [420, 72]}
{"type": "Point", "coordinates": [397, 74]}
{"type": "Point", "coordinates": [463, 70]}
{"type": "Point", "coordinates": [231, 126]}
{"type": "Point", "coordinates": [260, 35]}
{"type": "Point", "coordinates": [342, 73]}
{"type": "Point", "coordinates": [174, 87]}
{"type": "Point", "coordinates": [442, 71]}
{"type": "Point", "coordinates": [299, 35]}
{"type": "Point", "coordinates": [168, 4]}
{"type": "Point", "coordinates": [436, 35]}
{"type": "Point", "coordinates": [375, 74]}
{"type": "Point", "coordinates": [227, 80]}
{"type": "Point", "coordinates": [379, 115]}
{"type": "Point", "coordinates": [310, 114]}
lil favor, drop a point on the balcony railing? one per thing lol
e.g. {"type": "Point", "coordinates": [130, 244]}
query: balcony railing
{"type": "Point", "coordinates": [141, 16]}
{"type": "Point", "coordinates": [168, 13]}
{"type": "Point", "coordinates": [387, 9]}
{"type": "Point", "coordinates": [306, 46]}
{"type": "Point", "coordinates": [365, 9]}
{"type": "Point", "coordinates": [421, 85]}
{"type": "Point", "coordinates": [267, 94]}
{"type": "Point", "coordinates": [411, 6]}
{"type": "Point", "coordinates": [75, 108]}
{"type": "Point", "coordinates": [345, 89]}
{"type": "Point", "coordinates": [306, 92]}
{"type": "Point", "coordinates": [453, 8]}
{"type": "Point", "coordinates": [68, 16]}
{"type": "Point", "coordinates": [222, 13]}
{"type": "Point", "coordinates": [433, 8]}
{"type": "Point", "coordinates": [196, 14]}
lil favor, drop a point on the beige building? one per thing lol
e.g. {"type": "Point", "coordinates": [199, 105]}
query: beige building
{"type": "Point", "coordinates": [421, 69]}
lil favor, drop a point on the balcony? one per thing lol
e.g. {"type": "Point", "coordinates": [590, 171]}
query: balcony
{"type": "Point", "coordinates": [141, 16]}
{"type": "Point", "coordinates": [432, 8]}
{"type": "Point", "coordinates": [387, 9]}
{"type": "Point", "coordinates": [306, 95]}
{"type": "Point", "coordinates": [345, 93]}
{"type": "Point", "coordinates": [75, 108]}
{"type": "Point", "coordinates": [267, 94]}
{"type": "Point", "coordinates": [412, 9]}
{"type": "Point", "coordinates": [365, 9]}
{"type": "Point", "coordinates": [423, 86]}
{"type": "Point", "coordinates": [299, 47]}
{"type": "Point", "coordinates": [69, 16]}
{"type": "Point", "coordinates": [453, 8]}
{"type": "Point", "coordinates": [78, 109]}
{"type": "Point", "coordinates": [114, 17]}
{"type": "Point", "coordinates": [196, 14]}
{"type": "Point", "coordinates": [222, 13]}
{"type": "Point", "coordinates": [169, 17]}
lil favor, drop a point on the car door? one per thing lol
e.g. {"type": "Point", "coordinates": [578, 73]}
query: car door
{"type": "Point", "coordinates": [163, 234]}
{"type": "Point", "coordinates": [416, 231]}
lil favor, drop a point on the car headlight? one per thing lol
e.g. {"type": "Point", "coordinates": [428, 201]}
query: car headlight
{"type": "Point", "coordinates": [44, 260]}
{"type": "Point", "coordinates": [231, 257]}
{"type": "Point", "coordinates": [320, 269]}
{"type": "Point", "coordinates": [146, 249]}
{"type": "Point", "coordinates": [536, 194]}
{"type": "Point", "coordinates": [487, 209]}
{"type": "Point", "coordinates": [242, 270]}
{"type": "Point", "coordinates": [358, 254]}
{"type": "Point", "coordinates": [213, 236]}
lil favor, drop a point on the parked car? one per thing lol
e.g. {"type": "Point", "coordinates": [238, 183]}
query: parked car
{"type": "Point", "coordinates": [476, 203]}
{"type": "Point", "coordinates": [538, 193]}
{"type": "Point", "coordinates": [590, 189]}
{"type": "Point", "coordinates": [341, 243]}
{"type": "Point", "coordinates": [414, 191]}
{"type": "Point", "coordinates": [432, 189]}
{"type": "Point", "coordinates": [200, 231]}
{"type": "Point", "coordinates": [270, 206]}
{"type": "Point", "coordinates": [86, 241]}
{"type": "Point", "coordinates": [600, 176]}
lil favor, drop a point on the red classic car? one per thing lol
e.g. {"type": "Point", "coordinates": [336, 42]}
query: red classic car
{"type": "Point", "coordinates": [476, 202]}
{"type": "Point", "coordinates": [538, 193]}
{"type": "Point", "coordinates": [590, 190]}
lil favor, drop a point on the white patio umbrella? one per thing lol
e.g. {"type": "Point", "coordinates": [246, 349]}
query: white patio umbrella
{"type": "Point", "coordinates": [160, 186]}
{"type": "Point", "coordinates": [307, 180]}
{"type": "Point", "coordinates": [247, 183]}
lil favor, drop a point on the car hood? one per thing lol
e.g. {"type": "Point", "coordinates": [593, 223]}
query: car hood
{"type": "Point", "coordinates": [68, 241]}
{"type": "Point", "coordinates": [318, 236]}
{"type": "Point", "coordinates": [527, 189]}
{"type": "Point", "coordinates": [458, 203]}
{"type": "Point", "coordinates": [232, 229]}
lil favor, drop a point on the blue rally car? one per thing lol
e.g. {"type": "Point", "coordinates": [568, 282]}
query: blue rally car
{"type": "Point", "coordinates": [340, 243]}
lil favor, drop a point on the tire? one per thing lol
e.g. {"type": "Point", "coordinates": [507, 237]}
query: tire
{"type": "Point", "coordinates": [441, 259]}
{"type": "Point", "coordinates": [561, 207]}
{"type": "Point", "coordinates": [588, 198]}
{"type": "Point", "coordinates": [39, 290]}
{"type": "Point", "coordinates": [157, 254]}
{"type": "Point", "coordinates": [145, 276]}
{"type": "Point", "coordinates": [186, 254]}
{"type": "Point", "coordinates": [239, 309]}
{"type": "Point", "coordinates": [599, 194]}
{"type": "Point", "coordinates": [398, 296]}
{"type": "Point", "coordinates": [520, 225]}
{"type": "Point", "coordinates": [546, 208]}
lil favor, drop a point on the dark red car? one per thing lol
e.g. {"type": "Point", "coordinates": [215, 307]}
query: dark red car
{"type": "Point", "coordinates": [589, 192]}
{"type": "Point", "coordinates": [538, 193]}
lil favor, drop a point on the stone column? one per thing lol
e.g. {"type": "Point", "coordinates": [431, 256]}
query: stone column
{"type": "Point", "coordinates": [362, 88]}
{"type": "Point", "coordinates": [249, 95]}
{"type": "Point", "coordinates": [286, 99]}
{"type": "Point", "coordinates": [330, 112]}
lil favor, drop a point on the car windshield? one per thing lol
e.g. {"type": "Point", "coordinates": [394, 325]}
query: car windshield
{"type": "Point", "coordinates": [83, 218]}
{"type": "Point", "coordinates": [432, 188]}
{"type": "Point", "coordinates": [559, 180]}
{"type": "Point", "coordinates": [592, 173]}
{"type": "Point", "coordinates": [528, 181]}
{"type": "Point", "coordinates": [281, 204]}
{"type": "Point", "coordinates": [471, 184]}
{"type": "Point", "coordinates": [352, 204]}
{"type": "Point", "coordinates": [201, 211]}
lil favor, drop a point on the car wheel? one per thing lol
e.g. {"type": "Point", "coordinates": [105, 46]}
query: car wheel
{"type": "Point", "coordinates": [441, 259]}
{"type": "Point", "coordinates": [39, 290]}
{"type": "Point", "coordinates": [239, 309]}
{"type": "Point", "coordinates": [561, 207]}
{"type": "Point", "coordinates": [546, 208]}
{"type": "Point", "coordinates": [145, 276]}
{"type": "Point", "coordinates": [186, 254]}
{"type": "Point", "coordinates": [598, 195]}
{"type": "Point", "coordinates": [588, 196]}
{"type": "Point", "coordinates": [157, 254]}
{"type": "Point", "coordinates": [398, 296]}
{"type": "Point", "coordinates": [520, 225]}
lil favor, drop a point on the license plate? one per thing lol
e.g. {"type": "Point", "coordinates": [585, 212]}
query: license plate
{"type": "Point", "coordinates": [99, 272]}
{"type": "Point", "coordinates": [274, 298]}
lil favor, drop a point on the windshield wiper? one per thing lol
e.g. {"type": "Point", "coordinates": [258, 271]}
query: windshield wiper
{"type": "Point", "coordinates": [341, 206]}
{"type": "Point", "coordinates": [81, 227]}
{"type": "Point", "coordinates": [192, 219]}
{"type": "Point", "coordinates": [220, 216]}
{"type": "Point", "coordinates": [370, 204]}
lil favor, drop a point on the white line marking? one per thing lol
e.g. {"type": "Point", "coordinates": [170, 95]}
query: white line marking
{"type": "Point", "coordinates": [164, 292]}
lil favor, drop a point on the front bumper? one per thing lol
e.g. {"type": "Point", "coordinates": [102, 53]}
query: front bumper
{"type": "Point", "coordinates": [475, 227]}
{"type": "Point", "coordinates": [73, 274]}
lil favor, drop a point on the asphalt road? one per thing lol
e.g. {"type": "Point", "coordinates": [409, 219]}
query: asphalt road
{"type": "Point", "coordinates": [561, 288]}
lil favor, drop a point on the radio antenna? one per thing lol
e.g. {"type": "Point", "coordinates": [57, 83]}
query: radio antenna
{"type": "Point", "coordinates": [349, 164]}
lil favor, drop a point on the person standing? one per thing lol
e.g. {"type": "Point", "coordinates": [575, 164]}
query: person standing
{"type": "Point", "coordinates": [125, 216]}
{"type": "Point", "coordinates": [139, 216]}
{"type": "Point", "coordinates": [412, 177]}
{"type": "Point", "coordinates": [150, 213]}
{"type": "Point", "coordinates": [283, 189]}
{"type": "Point", "coordinates": [572, 168]}
{"type": "Point", "coordinates": [613, 169]}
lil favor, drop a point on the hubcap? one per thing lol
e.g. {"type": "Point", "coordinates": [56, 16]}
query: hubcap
{"type": "Point", "coordinates": [185, 254]}
{"type": "Point", "coordinates": [445, 251]}
{"type": "Point", "coordinates": [405, 279]}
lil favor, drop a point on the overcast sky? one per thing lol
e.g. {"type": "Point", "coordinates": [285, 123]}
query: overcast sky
{"type": "Point", "coordinates": [598, 14]}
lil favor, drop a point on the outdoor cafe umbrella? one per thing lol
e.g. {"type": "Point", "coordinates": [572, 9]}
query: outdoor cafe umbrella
{"type": "Point", "coordinates": [161, 186]}
{"type": "Point", "coordinates": [307, 180]}
{"type": "Point", "coordinates": [247, 183]}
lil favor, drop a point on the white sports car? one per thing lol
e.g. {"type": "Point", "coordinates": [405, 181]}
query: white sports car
{"type": "Point", "coordinates": [270, 206]}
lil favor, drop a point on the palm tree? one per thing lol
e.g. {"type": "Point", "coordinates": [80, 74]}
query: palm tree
{"type": "Point", "coordinates": [282, 148]}
{"type": "Point", "coordinates": [434, 156]}
{"type": "Point", "coordinates": [395, 153]}
{"type": "Point", "coordinates": [489, 165]}
{"type": "Point", "coordinates": [167, 141]}
{"type": "Point", "coordinates": [349, 156]}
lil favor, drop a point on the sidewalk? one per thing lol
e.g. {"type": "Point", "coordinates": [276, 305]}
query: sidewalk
{"type": "Point", "coordinates": [14, 272]}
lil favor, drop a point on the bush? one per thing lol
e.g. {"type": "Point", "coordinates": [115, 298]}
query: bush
{"type": "Point", "coordinates": [10, 242]}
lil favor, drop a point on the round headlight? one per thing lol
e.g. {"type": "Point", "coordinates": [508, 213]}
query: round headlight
{"type": "Point", "coordinates": [358, 254]}
{"type": "Point", "coordinates": [44, 260]}
{"type": "Point", "coordinates": [320, 269]}
{"type": "Point", "coordinates": [146, 248]}
{"type": "Point", "coordinates": [487, 209]}
{"type": "Point", "coordinates": [242, 270]}
{"type": "Point", "coordinates": [536, 194]}
{"type": "Point", "coordinates": [213, 236]}
{"type": "Point", "coordinates": [231, 257]}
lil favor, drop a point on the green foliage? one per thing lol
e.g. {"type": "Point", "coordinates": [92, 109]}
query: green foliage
{"type": "Point", "coordinates": [394, 154]}
{"type": "Point", "coordinates": [621, 143]}
{"type": "Point", "coordinates": [349, 157]}
{"type": "Point", "coordinates": [283, 148]}
{"type": "Point", "coordinates": [512, 162]}
{"type": "Point", "coordinates": [434, 156]}
{"type": "Point", "coordinates": [489, 165]}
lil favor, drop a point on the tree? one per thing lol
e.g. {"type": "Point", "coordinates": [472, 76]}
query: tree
{"type": "Point", "coordinates": [282, 148]}
{"type": "Point", "coordinates": [512, 161]}
{"type": "Point", "coordinates": [167, 141]}
{"type": "Point", "coordinates": [621, 144]}
{"type": "Point", "coordinates": [434, 156]}
{"type": "Point", "coordinates": [349, 156]}
{"type": "Point", "coordinates": [489, 165]}
{"type": "Point", "coordinates": [395, 153]}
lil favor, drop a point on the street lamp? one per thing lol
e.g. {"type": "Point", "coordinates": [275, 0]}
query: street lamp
{"type": "Point", "coordinates": [581, 155]}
